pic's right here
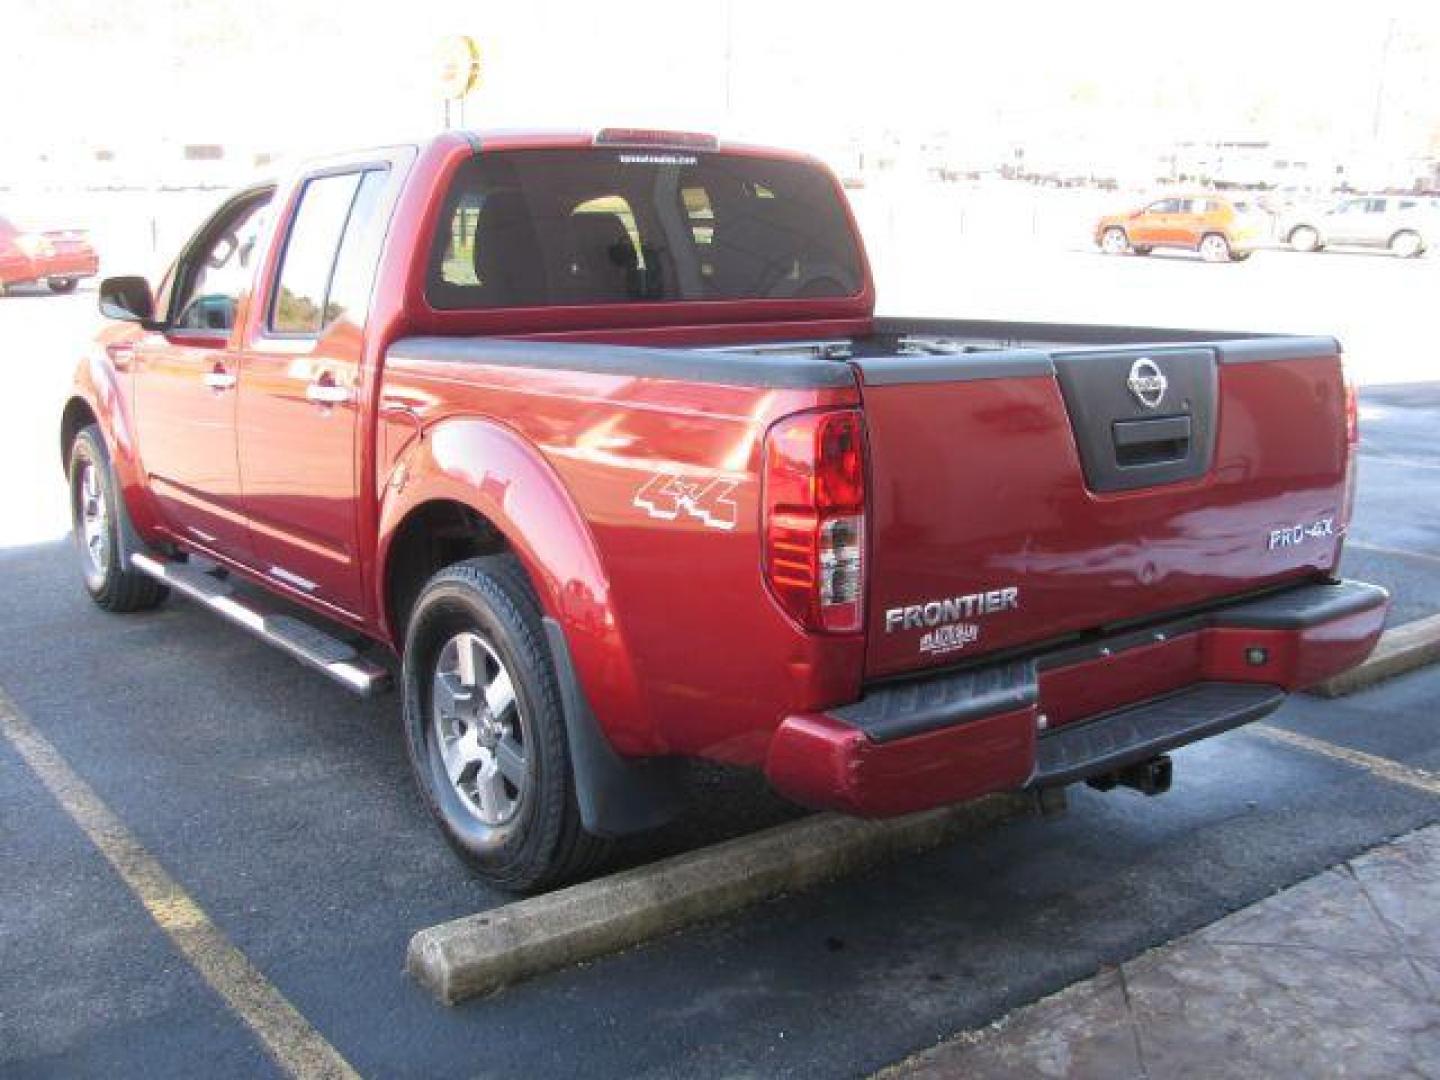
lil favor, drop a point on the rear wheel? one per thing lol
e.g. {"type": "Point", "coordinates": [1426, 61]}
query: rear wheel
{"type": "Point", "coordinates": [1114, 242]}
{"type": "Point", "coordinates": [62, 284]}
{"type": "Point", "coordinates": [1406, 244]}
{"type": "Point", "coordinates": [485, 728]}
{"type": "Point", "coordinates": [94, 515]}
{"type": "Point", "coordinates": [1304, 238]}
{"type": "Point", "coordinates": [1215, 248]}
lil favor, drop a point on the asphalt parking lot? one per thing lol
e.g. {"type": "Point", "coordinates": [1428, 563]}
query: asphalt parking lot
{"type": "Point", "coordinates": [283, 807]}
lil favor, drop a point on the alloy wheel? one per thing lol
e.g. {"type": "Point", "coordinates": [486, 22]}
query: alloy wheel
{"type": "Point", "coordinates": [94, 517]}
{"type": "Point", "coordinates": [480, 731]}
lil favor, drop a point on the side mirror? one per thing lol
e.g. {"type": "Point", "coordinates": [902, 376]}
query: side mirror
{"type": "Point", "coordinates": [128, 299]}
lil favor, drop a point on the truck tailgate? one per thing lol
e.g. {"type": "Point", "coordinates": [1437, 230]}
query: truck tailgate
{"type": "Point", "coordinates": [1025, 495]}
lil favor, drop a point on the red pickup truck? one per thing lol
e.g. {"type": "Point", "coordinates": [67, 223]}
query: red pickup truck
{"type": "Point", "coordinates": [600, 437]}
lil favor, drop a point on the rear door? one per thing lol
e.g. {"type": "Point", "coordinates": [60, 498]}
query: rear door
{"type": "Point", "coordinates": [1019, 497]}
{"type": "Point", "coordinates": [186, 377]}
{"type": "Point", "coordinates": [1197, 217]}
{"type": "Point", "coordinates": [300, 383]}
{"type": "Point", "coordinates": [1354, 221]}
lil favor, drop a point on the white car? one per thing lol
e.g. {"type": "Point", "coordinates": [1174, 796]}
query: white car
{"type": "Point", "coordinates": [1405, 224]}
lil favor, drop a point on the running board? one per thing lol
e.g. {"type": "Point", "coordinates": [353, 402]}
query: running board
{"type": "Point", "coordinates": [306, 643]}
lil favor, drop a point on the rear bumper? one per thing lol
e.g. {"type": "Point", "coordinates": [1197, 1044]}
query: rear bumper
{"type": "Point", "coordinates": [1076, 711]}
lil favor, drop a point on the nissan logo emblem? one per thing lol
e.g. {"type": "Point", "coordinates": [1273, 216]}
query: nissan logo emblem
{"type": "Point", "coordinates": [1147, 382]}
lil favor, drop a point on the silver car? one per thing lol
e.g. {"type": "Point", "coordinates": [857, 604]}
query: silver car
{"type": "Point", "coordinates": [1406, 224]}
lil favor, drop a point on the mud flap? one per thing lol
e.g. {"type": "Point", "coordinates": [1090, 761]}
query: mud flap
{"type": "Point", "coordinates": [616, 796]}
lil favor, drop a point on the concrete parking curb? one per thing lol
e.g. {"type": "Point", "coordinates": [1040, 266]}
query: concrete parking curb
{"type": "Point", "coordinates": [1401, 649]}
{"type": "Point", "coordinates": [484, 952]}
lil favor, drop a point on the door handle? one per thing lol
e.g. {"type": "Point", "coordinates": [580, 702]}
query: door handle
{"type": "Point", "coordinates": [219, 379]}
{"type": "Point", "coordinates": [325, 391]}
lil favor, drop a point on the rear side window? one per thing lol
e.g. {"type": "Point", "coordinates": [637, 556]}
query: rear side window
{"type": "Point", "coordinates": [354, 276]}
{"type": "Point", "coordinates": [330, 254]}
{"type": "Point", "coordinates": [607, 226]}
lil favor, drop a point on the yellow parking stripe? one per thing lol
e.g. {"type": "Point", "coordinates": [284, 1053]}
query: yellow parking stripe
{"type": "Point", "coordinates": [1385, 768]}
{"type": "Point", "coordinates": [297, 1047]}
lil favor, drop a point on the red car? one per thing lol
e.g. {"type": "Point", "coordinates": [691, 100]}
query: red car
{"type": "Point", "coordinates": [59, 258]}
{"type": "Point", "coordinates": [599, 438]}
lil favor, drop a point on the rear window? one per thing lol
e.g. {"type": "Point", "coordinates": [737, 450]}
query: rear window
{"type": "Point", "coordinates": [561, 227]}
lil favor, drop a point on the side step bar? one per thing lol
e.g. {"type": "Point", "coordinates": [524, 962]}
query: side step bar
{"type": "Point", "coordinates": [306, 643]}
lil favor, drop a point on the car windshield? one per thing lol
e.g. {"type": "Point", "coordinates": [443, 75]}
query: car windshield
{"type": "Point", "coordinates": [605, 226]}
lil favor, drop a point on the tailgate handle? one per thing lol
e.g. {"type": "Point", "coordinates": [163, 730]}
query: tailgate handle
{"type": "Point", "coordinates": [1152, 442]}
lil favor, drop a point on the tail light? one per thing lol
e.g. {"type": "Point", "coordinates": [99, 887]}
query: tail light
{"type": "Point", "coordinates": [815, 519]}
{"type": "Point", "coordinates": [1352, 445]}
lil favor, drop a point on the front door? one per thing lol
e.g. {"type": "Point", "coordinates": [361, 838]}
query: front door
{"type": "Point", "coordinates": [186, 379]}
{"type": "Point", "coordinates": [300, 388]}
{"type": "Point", "coordinates": [1155, 224]}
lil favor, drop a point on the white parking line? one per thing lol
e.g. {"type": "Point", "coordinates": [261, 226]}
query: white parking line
{"type": "Point", "coordinates": [1385, 768]}
{"type": "Point", "coordinates": [287, 1036]}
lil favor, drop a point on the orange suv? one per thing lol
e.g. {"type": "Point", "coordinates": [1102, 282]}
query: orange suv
{"type": "Point", "coordinates": [1220, 229]}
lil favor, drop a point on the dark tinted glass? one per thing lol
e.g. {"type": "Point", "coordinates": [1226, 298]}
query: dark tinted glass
{"type": "Point", "coordinates": [605, 226]}
{"type": "Point", "coordinates": [299, 306]}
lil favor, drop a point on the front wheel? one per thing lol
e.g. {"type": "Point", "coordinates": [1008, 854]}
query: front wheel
{"type": "Point", "coordinates": [1215, 248]}
{"type": "Point", "coordinates": [95, 523]}
{"type": "Point", "coordinates": [62, 284]}
{"type": "Point", "coordinates": [1406, 245]}
{"type": "Point", "coordinates": [1114, 242]}
{"type": "Point", "coordinates": [485, 728]}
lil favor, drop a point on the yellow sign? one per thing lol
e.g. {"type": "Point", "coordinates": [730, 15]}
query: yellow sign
{"type": "Point", "coordinates": [459, 63]}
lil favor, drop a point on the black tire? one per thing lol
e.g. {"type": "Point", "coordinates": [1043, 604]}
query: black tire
{"type": "Point", "coordinates": [110, 583]}
{"type": "Point", "coordinates": [1407, 244]}
{"type": "Point", "coordinates": [1114, 241]}
{"type": "Point", "coordinates": [1304, 238]}
{"type": "Point", "coordinates": [543, 843]}
{"type": "Point", "coordinates": [62, 284]}
{"type": "Point", "coordinates": [1215, 248]}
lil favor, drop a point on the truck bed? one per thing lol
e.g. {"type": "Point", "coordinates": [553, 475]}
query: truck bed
{"type": "Point", "coordinates": [1020, 487]}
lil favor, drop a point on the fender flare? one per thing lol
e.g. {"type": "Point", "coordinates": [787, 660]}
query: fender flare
{"type": "Point", "coordinates": [97, 387]}
{"type": "Point", "coordinates": [486, 466]}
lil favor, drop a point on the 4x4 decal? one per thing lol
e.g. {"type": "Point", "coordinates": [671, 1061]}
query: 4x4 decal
{"type": "Point", "coordinates": [666, 496]}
